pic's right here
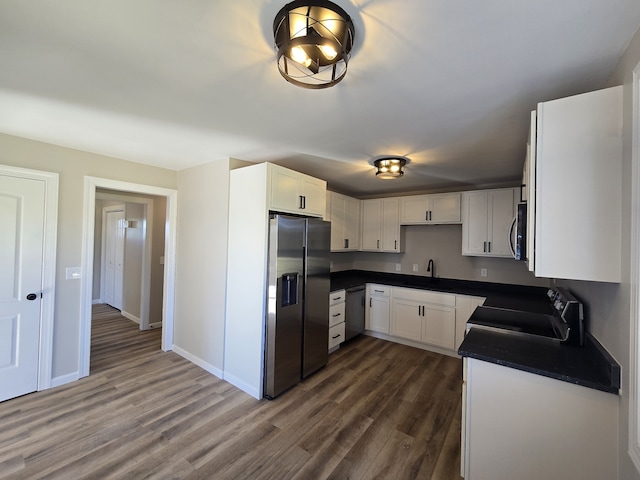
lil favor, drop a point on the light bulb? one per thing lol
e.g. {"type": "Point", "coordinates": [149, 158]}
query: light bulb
{"type": "Point", "coordinates": [328, 51]}
{"type": "Point", "coordinates": [300, 56]}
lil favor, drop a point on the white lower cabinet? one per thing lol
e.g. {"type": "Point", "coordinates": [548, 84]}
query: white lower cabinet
{"type": "Point", "coordinates": [337, 303]}
{"type": "Point", "coordinates": [377, 312]}
{"type": "Point", "coordinates": [336, 335]}
{"type": "Point", "coordinates": [424, 316]}
{"type": "Point", "coordinates": [518, 425]}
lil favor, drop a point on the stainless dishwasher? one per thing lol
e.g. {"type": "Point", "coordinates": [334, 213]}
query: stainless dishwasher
{"type": "Point", "coordinates": [354, 312]}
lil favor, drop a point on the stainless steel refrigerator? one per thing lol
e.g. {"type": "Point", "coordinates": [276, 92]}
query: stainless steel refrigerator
{"type": "Point", "coordinates": [297, 327]}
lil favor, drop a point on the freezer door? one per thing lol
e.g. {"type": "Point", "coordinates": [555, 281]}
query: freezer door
{"type": "Point", "coordinates": [283, 345]}
{"type": "Point", "coordinates": [316, 323]}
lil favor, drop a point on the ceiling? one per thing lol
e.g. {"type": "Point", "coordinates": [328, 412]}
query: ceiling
{"type": "Point", "coordinates": [449, 84]}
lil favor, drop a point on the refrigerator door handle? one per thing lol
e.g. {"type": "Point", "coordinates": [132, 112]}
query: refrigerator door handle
{"type": "Point", "coordinates": [289, 289]}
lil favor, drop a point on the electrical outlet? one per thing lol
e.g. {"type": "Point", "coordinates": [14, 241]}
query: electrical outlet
{"type": "Point", "coordinates": [415, 267]}
{"type": "Point", "coordinates": [398, 267]}
{"type": "Point", "coordinates": [483, 272]}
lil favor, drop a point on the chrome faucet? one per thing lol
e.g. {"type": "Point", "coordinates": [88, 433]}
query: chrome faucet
{"type": "Point", "coordinates": [431, 268]}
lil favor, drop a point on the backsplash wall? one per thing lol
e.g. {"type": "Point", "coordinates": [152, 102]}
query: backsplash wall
{"type": "Point", "coordinates": [443, 244]}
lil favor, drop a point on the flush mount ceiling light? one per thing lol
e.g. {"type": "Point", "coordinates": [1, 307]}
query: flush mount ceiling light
{"type": "Point", "coordinates": [390, 167]}
{"type": "Point", "coordinates": [313, 41]}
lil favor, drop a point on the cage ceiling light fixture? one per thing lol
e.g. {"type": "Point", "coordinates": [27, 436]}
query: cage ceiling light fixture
{"type": "Point", "coordinates": [313, 42]}
{"type": "Point", "coordinates": [389, 166]}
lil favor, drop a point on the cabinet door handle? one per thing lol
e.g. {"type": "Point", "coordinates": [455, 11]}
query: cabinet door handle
{"type": "Point", "coordinates": [426, 215]}
{"type": "Point", "coordinates": [346, 243]}
{"type": "Point", "coordinates": [423, 310]}
{"type": "Point", "coordinates": [484, 247]}
{"type": "Point", "coordinates": [378, 244]}
{"type": "Point", "coordinates": [419, 314]}
{"type": "Point", "coordinates": [370, 304]}
{"type": "Point", "coordinates": [489, 246]}
{"type": "Point", "coordinates": [430, 215]}
{"type": "Point", "coordinates": [300, 202]}
{"type": "Point", "coordinates": [395, 244]}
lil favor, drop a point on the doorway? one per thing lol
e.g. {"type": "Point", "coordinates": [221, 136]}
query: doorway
{"type": "Point", "coordinates": [92, 185]}
{"type": "Point", "coordinates": [112, 253]}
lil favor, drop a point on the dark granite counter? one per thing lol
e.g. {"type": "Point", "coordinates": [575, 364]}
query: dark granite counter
{"type": "Point", "coordinates": [590, 366]}
{"type": "Point", "coordinates": [517, 297]}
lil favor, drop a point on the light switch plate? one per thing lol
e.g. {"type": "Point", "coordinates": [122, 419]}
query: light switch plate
{"type": "Point", "coordinates": [398, 267]}
{"type": "Point", "coordinates": [73, 273]}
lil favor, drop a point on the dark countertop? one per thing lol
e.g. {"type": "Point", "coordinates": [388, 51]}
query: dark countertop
{"type": "Point", "coordinates": [590, 366]}
{"type": "Point", "coordinates": [516, 297]}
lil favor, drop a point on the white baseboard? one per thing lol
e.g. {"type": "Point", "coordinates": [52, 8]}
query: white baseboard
{"type": "Point", "coordinates": [133, 318]}
{"type": "Point", "coordinates": [236, 382]}
{"type": "Point", "coordinates": [63, 379]}
{"type": "Point", "coordinates": [97, 301]}
{"type": "Point", "coordinates": [198, 361]}
{"type": "Point", "coordinates": [155, 325]}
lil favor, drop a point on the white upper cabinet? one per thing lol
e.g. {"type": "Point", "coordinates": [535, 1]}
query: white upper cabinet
{"type": "Point", "coordinates": [578, 168]}
{"type": "Point", "coordinates": [294, 192]}
{"type": "Point", "coordinates": [380, 225]}
{"type": "Point", "coordinates": [487, 217]}
{"type": "Point", "coordinates": [345, 222]}
{"type": "Point", "coordinates": [430, 209]}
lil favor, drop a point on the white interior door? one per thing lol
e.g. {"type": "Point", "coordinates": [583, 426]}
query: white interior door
{"type": "Point", "coordinates": [114, 258]}
{"type": "Point", "coordinates": [22, 207]}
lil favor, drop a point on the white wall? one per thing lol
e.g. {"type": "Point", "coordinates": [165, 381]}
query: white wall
{"type": "Point", "coordinates": [202, 264]}
{"type": "Point", "coordinates": [608, 305]}
{"type": "Point", "coordinates": [73, 166]}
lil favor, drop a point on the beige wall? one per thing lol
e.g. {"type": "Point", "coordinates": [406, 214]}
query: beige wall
{"type": "Point", "coordinates": [443, 244]}
{"type": "Point", "coordinates": [202, 263]}
{"type": "Point", "coordinates": [73, 166]}
{"type": "Point", "coordinates": [608, 305]}
{"type": "Point", "coordinates": [133, 256]}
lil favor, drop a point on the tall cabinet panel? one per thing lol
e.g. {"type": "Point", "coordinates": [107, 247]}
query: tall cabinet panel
{"type": "Point", "coordinates": [253, 192]}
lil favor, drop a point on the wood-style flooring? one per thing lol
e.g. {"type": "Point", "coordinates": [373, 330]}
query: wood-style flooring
{"type": "Point", "coordinates": [378, 410]}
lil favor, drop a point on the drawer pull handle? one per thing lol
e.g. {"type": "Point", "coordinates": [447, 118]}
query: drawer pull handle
{"type": "Point", "coordinates": [336, 336]}
{"type": "Point", "coordinates": [379, 291]}
{"type": "Point", "coordinates": [337, 314]}
{"type": "Point", "coordinates": [336, 298]}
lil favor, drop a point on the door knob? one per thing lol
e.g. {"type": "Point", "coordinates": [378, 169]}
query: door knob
{"type": "Point", "coordinates": [32, 296]}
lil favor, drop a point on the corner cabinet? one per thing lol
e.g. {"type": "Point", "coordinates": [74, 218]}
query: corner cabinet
{"type": "Point", "coordinates": [487, 217]}
{"type": "Point", "coordinates": [294, 192]}
{"type": "Point", "coordinates": [344, 215]}
{"type": "Point", "coordinates": [430, 209]}
{"type": "Point", "coordinates": [577, 163]}
{"type": "Point", "coordinates": [381, 225]}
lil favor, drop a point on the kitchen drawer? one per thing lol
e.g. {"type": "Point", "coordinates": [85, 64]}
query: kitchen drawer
{"type": "Point", "coordinates": [336, 314]}
{"type": "Point", "coordinates": [336, 335]}
{"type": "Point", "coordinates": [337, 297]}
{"type": "Point", "coordinates": [379, 290]}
